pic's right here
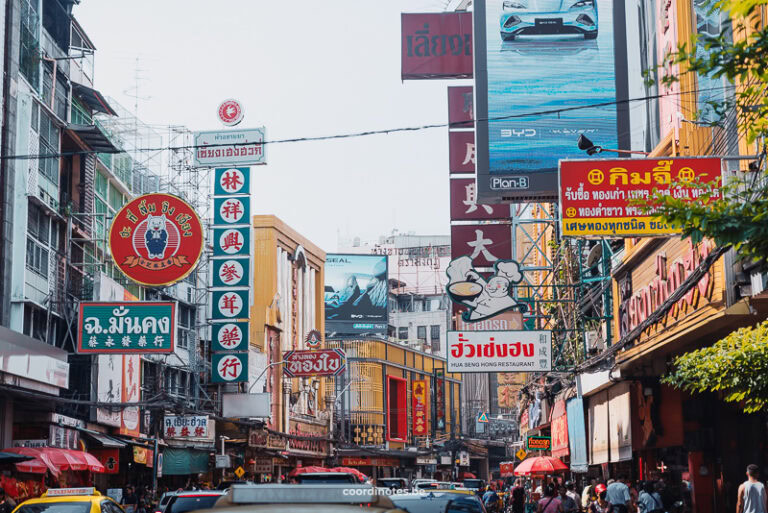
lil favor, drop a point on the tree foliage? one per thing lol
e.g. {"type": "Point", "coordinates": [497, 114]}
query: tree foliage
{"type": "Point", "coordinates": [736, 367]}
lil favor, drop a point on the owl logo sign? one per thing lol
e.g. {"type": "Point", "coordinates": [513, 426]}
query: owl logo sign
{"type": "Point", "coordinates": [156, 239]}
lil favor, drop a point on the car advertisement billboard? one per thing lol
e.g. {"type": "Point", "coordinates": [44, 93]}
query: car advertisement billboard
{"type": "Point", "coordinates": [356, 289]}
{"type": "Point", "coordinates": [544, 74]}
{"type": "Point", "coordinates": [436, 45]}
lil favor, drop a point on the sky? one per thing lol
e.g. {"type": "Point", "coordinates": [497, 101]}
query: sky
{"type": "Point", "coordinates": [300, 68]}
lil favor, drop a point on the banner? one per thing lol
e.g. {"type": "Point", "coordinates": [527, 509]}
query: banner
{"type": "Point", "coordinates": [419, 407]}
{"type": "Point", "coordinates": [499, 351]}
{"type": "Point", "coordinates": [436, 45]}
{"type": "Point", "coordinates": [356, 289]}
{"type": "Point", "coordinates": [596, 195]}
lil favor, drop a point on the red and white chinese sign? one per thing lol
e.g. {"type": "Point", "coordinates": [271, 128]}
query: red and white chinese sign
{"type": "Point", "coordinates": [461, 148]}
{"type": "Point", "coordinates": [419, 406]}
{"type": "Point", "coordinates": [230, 112]}
{"type": "Point", "coordinates": [465, 207]}
{"type": "Point", "coordinates": [185, 426]}
{"type": "Point", "coordinates": [325, 362]}
{"type": "Point", "coordinates": [232, 336]}
{"type": "Point", "coordinates": [499, 351]}
{"type": "Point", "coordinates": [483, 243]}
{"type": "Point", "coordinates": [559, 430]}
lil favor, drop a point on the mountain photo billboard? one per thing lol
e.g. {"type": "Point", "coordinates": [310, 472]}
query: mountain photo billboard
{"type": "Point", "coordinates": [356, 289]}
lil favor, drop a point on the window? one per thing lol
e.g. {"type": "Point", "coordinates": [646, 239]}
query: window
{"type": "Point", "coordinates": [397, 409]}
{"type": "Point", "coordinates": [37, 257]}
{"type": "Point", "coordinates": [434, 337]}
{"type": "Point", "coordinates": [38, 224]}
{"type": "Point", "coordinates": [49, 144]}
{"type": "Point", "coordinates": [402, 333]}
{"type": "Point", "coordinates": [421, 333]}
{"type": "Point", "coordinates": [29, 47]}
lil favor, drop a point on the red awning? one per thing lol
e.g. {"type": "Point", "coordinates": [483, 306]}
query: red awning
{"type": "Point", "coordinates": [540, 465]}
{"type": "Point", "coordinates": [55, 460]}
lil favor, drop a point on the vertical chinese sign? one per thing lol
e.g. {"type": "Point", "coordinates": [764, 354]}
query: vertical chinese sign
{"type": "Point", "coordinates": [231, 265]}
{"type": "Point", "coordinates": [419, 407]}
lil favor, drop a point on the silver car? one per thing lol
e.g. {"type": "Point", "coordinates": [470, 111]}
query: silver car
{"type": "Point", "coordinates": [548, 17]}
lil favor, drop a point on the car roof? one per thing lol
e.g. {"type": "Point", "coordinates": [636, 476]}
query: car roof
{"type": "Point", "coordinates": [66, 498]}
{"type": "Point", "coordinates": [199, 493]}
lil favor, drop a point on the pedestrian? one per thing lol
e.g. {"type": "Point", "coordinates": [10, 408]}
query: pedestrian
{"type": "Point", "coordinates": [6, 503]}
{"type": "Point", "coordinates": [617, 493]}
{"type": "Point", "coordinates": [491, 499]}
{"type": "Point", "coordinates": [569, 490]}
{"type": "Point", "coordinates": [649, 500]}
{"type": "Point", "coordinates": [568, 504]}
{"type": "Point", "coordinates": [601, 504]}
{"type": "Point", "coordinates": [518, 497]}
{"type": "Point", "coordinates": [752, 497]}
{"type": "Point", "coordinates": [549, 503]}
{"type": "Point", "coordinates": [130, 500]}
{"type": "Point", "coordinates": [588, 493]}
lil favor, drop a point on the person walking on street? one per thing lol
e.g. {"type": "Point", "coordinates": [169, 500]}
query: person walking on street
{"type": "Point", "coordinates": [549, 503]}
{"type": "Point", "coordinates": [6, 503]}
{"type": "Point", "coordinates": [601, 504]}
{"type": "Point", "coordinates": [752, 497]}
{"type": "Point", "coordinates": [130, 500]}
{"type": "Point", "coordinates": [586, 494]}
{"type": "Point", "coordinates": [568, 504]}
{"type": "Point", "coordinates": [518, 497]}
{"type": "Point", "coordinates": [649, 501]}
{"type": "Point", "coordinates": [572, 494]}
{"type": "Point", "coordinates": [617, 493]}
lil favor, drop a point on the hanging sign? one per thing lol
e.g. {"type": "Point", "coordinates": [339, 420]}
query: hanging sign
{"type": "Point", "coordinates": [156, 239]}
{"type": "Point", "coordinates": [185, 426]}
{"type": "Point", "coordinates": [419, 406]}
{"type": "Point", "coordinates": [231, 241]}
{"type": "Point", "coordinates": [230, 148]}
{"type": "Point", "coordinates": [499, 351]}
{"type": "Point", "coordinates": [232, 180]}
{"type": "Point", "coordinates": [326, 362]}
{"type": "Point", "coordinates": [231, 304]}
{"type": "Point", "coordinates": [232, 336]}
{"type": "Point", "coordinates": [127, 327]}
{"type": "Point", "coordinates": [231, 272]}
{"type": "Point", "coordinates": [231, 210]}
{"type": "Point", "coordinates": [229, 367]}
{"type": "Point", "coordinates": [538, 443]}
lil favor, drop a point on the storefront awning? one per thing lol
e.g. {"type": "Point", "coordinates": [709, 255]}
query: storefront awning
{"type": "Point", "coordinates": [182, 462]}
{"type": "Point", "coordinates": [102, 439]}
{"type": "Point", "coordinates": [94, 99]}
{"type": "Point", "coordinates": [93, 137]}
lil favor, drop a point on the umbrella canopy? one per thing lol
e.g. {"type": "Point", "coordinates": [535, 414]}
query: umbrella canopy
{"type": "Point", "coordinates": [55, 460]}
{"type": "Point", "coordinates": [540, 465]}
{"type": "Point", "coordinates": [306, 470]}
{"type": "Point", "coordinates": [362, 477]}
{"type": "Point", "coordinates": [9, 457]}
{"type": "Point", "coordinates": [92, 462]}
{"type": "Point", "coordinates": [39, 465]}
{"type": "Point", "coordinates": [467, 475]}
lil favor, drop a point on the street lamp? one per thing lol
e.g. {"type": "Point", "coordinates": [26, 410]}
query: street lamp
{"type": "Point", "coordinates": [587, 145]}
{"type": "Point", "coordinates": [264, 372]}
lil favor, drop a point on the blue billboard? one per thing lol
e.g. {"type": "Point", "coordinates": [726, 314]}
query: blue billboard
{"type": "Point", "coordinates": [545, 73]}
{"type": "Point", "coordinates": [356, 295]}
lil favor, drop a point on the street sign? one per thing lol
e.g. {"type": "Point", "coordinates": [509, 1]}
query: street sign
{"type": "Point", "coordinates": [127, 327]}
{"type": "Point", "coordinates": [232, 336]}
{"type": "Point", "coordinates": [229, 367]}
{"type": "Point", "coordinates": [232, 180]}
{"type": "Point", "coordinates": [521, 454]}
{"type": "Point", "coordinates": [239, 472]}
{"type": "Point", "coordinates": [231, 272]}
{"type": "Point", "coordinates": [231, 241]}
{"type": "Point", "coordinates": [230, 304]}
{"type": "Point", "coordinates": [218, 148]}
{"type": "Point", "coordinates": [538, 443]}
{"type": "Point", "coordinates": [483, 417]}
{"type": "Point", "coordinates": [324, 362]}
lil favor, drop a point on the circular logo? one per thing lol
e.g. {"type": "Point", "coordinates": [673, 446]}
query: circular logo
{"type": "Point", "coordinates": [230, 335]}
{"type": "Point", "coordinates": [686, 175]}
{"type": "Point", "coordinates": [230, 368]}
{"type": "Point", "coordinates": [230, 304]}
{"type": "Point", "coordinates": [231, 272]}
{"type": "Point", "coordinates": [595, 177]}
{"type": "Point", "coordinates": [230, 112]}
{"type": "Point", "coordinates": [314, 339]}
{"type": "Point", "coordinates": [156, 239]}
{"type": "Point", "coordinates": [570, 212]}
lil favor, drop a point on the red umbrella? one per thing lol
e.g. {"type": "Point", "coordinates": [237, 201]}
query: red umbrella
{"type": "Point", "coordinates": [306, 470]}
{"type": "Point", "coordinates": [362, 477]}
{"type": "Point", "coordinates": [39, 465]}
{"type": "Point", "coordinates": [467, 475]}
{"type": "Point", "coordinates": [540, 465]}
{"type": "Point", "coordinates": [91, 461]}
{"type": "Point", "coordinates": [65, 459]}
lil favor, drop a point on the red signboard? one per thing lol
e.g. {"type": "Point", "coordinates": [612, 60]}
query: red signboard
{"type": "Point", "coordinates": [110, 458]}
{"type": "Point", "coordinates": [461, 107]}
{"type": "Point", "coordinates": [156, 239]}
{"type": "Point", "coordinates": [326, 362]}
{"type": "Point", "coordinates": [464, 204]}
{"type": "Point", "coordinates": [559, 430]}
{"type": "Point", "coordinates": [436, 45]}
{"type": "Point", "coordinates": [507, 469]}
{"type": "Point", "coordinates": [595, 195]}
{"type": "Point", "coordinates": [484, 243]}
{"type": "Point", "coordinates": [419, 407]}
{"type": "Point", "coordinates": [461, 152]}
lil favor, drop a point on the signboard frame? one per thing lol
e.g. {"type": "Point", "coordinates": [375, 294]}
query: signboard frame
{"type": "Point", "coordinates": [534, 340]}
{"type": "Point", "coordinates": [228, 159]}
{"type": "Point", "coordinates": [119, 349]}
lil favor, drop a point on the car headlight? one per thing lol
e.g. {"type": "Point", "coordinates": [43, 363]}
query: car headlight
{"type": "Point", "coordinates": [513, 4]}
{"type": "Point", "coordinates": [583, 3]}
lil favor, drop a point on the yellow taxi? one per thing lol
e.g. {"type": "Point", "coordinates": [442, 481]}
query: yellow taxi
{"type": "Point", "coordinates": [70, 500]}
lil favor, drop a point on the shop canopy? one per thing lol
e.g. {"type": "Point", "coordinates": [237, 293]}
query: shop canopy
{"type": "Point", "coordinates": [55, 460]}
{"type": "Point", "coordinates": [540, 465]}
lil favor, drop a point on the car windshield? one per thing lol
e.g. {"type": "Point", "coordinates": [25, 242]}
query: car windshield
{"type": "Point", "coordinates": [56, 507]}
{"type": "Point", "coordinates": [390, 483]}
{"type": "Point", "coordinates": [193, 502]}
{"type": "Point", "coordinates": [164, 499]}
{"type": "Point", "coordinates": [425, 486]}
{"type": "Point", "coordinates": [438, 503]}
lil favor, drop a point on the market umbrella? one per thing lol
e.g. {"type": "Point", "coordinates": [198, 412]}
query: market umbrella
{"type": "Point", "coordinates": [306, 470]}
{"type": "Point", "coordinates": [362, 477]}
{"type": "Point", "coordinates": [65, 459]}
{"type": "Point", "coordinates": [9, 457]}
{"type": "Point", "coordinates": [38, 465]}
{"type": "Point", "coordinates": [467, 475]}
{"type": "Point", "coordinates": [540, 465]}
{"type": "Point", "coordinates": [91, 461]}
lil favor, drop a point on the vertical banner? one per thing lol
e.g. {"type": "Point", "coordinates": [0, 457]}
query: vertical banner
{"type": "Point", "coordinates": [419, 407]}
{"type": "Point", "coordinates": [131, 393]}
{"type": "Point", "coordinates": [439, 399]}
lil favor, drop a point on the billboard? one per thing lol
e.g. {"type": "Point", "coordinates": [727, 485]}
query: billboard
{"type": "Point", "coordinates": [436, 45]}
{"type": "Point", "coordinates": [540, 69]}
{"type": "Point", "coordinates": [356, 289]}
{"type": "Point", "coordinates": [499, 351]}
{"type": "Point", "coordinates": [596, 195]}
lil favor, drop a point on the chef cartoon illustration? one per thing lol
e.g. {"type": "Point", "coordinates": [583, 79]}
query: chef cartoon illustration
{"type": "Point", "coordinates": [484, 298]}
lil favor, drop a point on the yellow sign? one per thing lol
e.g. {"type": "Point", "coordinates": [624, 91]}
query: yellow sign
{"type": "Point", "coordinates": [239, 472]}
{"type": "Point", "coordinates": [521, 454]}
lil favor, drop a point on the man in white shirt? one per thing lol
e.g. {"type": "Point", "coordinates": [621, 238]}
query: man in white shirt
{"type": "Point", "coordinates": [618, 495]}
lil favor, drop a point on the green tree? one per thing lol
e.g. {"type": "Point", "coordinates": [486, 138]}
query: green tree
{"type": "Point", "coordinates": [736, 367]}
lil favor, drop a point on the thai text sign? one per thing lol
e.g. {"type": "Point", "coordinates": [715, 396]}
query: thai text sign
{"type": "Point", "coordinates": [499, 351]}
{"type": "Point", "coordinates": [596, 195]}
{"type": "Point", "coordinates": [538, 443]}
{"type": "Point", "coordinates": [230, 148]}
{"type": "Point", "coordinates": [156, 239]}
{"type": "Point", "coordinates": [185, 426]}
{"type": "Point", "coordinates": [436, 45]}
{"type": "Point", "coordinates": [127, 327]}
{"type": "Point", "coordinates": [262, 439]}
{"type": "Point", "coordinates": [326, 362]}
{"type": "Point", "coordinates": [419, 398]}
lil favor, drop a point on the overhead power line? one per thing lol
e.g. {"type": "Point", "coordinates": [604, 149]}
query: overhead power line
{"type": "Point", "coordinates": [383, 131]}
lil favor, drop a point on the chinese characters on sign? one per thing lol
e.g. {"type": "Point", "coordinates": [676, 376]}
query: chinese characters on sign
{"type": "Point", "coordinates": [419, 397]}
{"type": "Point", "coordinates": [229, 367]}
{"type": "Point", "coordinates": [231, 241]}
{"type": "Point", "coordinates": [484, 243]}
{"type": "Point", "coordinates": [461, 107]}
{"type": "Point", "coordinates": [231, 272]}
{"type": "Point", "coordinates": [232, 180]}
{"type": "Point", "coordinates": [186, 426]}
{"type": "Point", "coordinates": [127, 327]}
{"type": "Point", "coordinates": [499, 351]}
{"type": "Point", "coordinates": [234, 210]}
{"type": "Point", "coordinates": [232, 336]}
{"type": "Point", "coordinates": [325, 362]}
{"type": "Point", "coordinates": [461, 148]}
{"type": "Point", "coordinates": [596, 196]}
{"type": "Point", "coordinates": [231, 304]}
{"type": "Point", "coordinates": [465, 207]}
